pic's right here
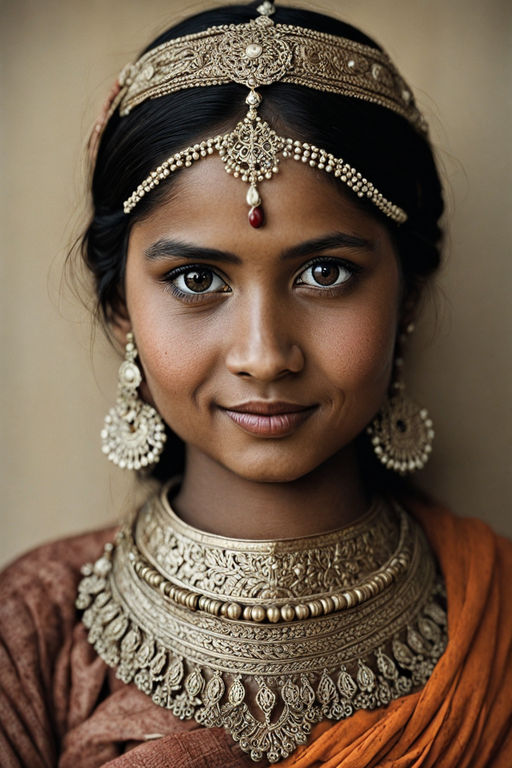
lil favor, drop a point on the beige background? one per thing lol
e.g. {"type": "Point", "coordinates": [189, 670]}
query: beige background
{"type": "Point", "coordinates": [59, 60]}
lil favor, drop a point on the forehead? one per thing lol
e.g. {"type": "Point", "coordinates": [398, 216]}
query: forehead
{"type": "Point", "coordinates": [208, 206]}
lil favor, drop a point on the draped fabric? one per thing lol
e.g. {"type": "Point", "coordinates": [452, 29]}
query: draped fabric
{"type": "Point", "coordinates": [60, 705]}
{"type": "Point", "coordinates": [463, 716]}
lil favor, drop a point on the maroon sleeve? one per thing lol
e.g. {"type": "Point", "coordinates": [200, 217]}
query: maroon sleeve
{"type": "Point", "coordinates": [201, 748]}
{"type": "Point", "coordinates": [37, 616]}
{"type": "Point", "coordinates": [60, 705]}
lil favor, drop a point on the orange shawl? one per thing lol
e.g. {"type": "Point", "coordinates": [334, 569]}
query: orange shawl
{"type": "Point", "coordinates": [463, 716]}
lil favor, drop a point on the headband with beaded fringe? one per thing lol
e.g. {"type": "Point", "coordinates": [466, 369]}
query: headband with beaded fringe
{"type": "Point", "coordinates": [256, 54]}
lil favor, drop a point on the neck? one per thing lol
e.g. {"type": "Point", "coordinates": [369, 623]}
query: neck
{"type": "Point", "coordinates": [216, 500]}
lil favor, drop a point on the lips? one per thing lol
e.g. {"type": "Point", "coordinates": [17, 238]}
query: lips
{"type": "Point", "coordinates": [269, 419]}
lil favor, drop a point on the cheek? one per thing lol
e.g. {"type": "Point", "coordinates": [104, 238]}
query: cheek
{"type": "Point", "coordinates": [171, 347]}
{"type": "Point", "coordinates": [368, 349]}
{"type": "Point", "coordinates": [176, 359]}
{"type": "Point", "coordinates": [356, 350]}
{"type": "Point", "coordinates": [177, 353]}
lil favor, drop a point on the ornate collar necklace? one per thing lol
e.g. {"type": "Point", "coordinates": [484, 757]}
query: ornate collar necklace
{"type": "Point", "coordinates": [267, 638]}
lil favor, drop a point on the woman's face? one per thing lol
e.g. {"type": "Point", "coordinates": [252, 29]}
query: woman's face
{"type": "Point", "coordinates": [266, 349]}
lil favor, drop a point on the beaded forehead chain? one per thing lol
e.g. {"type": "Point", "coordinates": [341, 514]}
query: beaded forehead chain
{"type": "Point", "coordinates": [256, 54]}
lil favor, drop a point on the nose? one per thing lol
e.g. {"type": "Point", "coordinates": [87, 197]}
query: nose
{"type": "Point", "coordinates": [264, 344]}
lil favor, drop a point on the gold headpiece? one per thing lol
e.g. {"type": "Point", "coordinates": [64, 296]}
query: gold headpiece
{"type": "Point", "coordinates": [256, 54]}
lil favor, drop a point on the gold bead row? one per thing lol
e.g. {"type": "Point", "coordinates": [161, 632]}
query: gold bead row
{"type": "Point", "coordinates": [274, 614]}
{"type": "Point", "coordinates": [319, 158]}
{"type": "Point", "coordinates": [183, 159]}
{"type": "Point", "coordinates": [301, 151]}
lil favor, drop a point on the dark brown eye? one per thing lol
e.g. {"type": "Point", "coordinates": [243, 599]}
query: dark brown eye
{"type": "Point", "coordinates": [325, 274]}
{"type": "Point", "coordinates": [198, 280]}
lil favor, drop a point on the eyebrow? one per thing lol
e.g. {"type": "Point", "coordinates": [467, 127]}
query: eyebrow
{"type": "Point", "coordinates": [168, 247]}
{"type": "Point", "coordinates": [325, 243]}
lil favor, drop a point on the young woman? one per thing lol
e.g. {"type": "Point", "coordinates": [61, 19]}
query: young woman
{"type": "Point", "coordinates": [265, 219]}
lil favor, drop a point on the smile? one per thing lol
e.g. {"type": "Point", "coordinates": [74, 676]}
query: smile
{"type": "Point", "coordinates": [267, 419]}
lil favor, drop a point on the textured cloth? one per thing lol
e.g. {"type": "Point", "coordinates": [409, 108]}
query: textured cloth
{"type": "Point", "coordinates": [60, 705]}
{"type": "Point", "coordinates": [463, 715]}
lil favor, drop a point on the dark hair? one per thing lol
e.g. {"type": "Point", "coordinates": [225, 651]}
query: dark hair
{"type": "Point", "coordinates": [378, 142]}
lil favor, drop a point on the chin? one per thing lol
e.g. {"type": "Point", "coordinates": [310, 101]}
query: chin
{"type": "Point", "coordinates": [271, 471]}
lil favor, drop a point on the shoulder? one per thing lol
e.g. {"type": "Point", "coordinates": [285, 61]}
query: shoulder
{"type": "Point", "coordinates": [37, 590]}
{"type": "Point", "coordinates": [70, 551]}
{"type": "Point", "coordinates": [476, 564]}
{"type": "Point", "coordinates": [53, 567]}
{"type": "Point", "coordinates": [473, 678]}
{"type": "Point", "coordinates": [465, 538]}
{"type": "Point", "coordinates": [37, 621]}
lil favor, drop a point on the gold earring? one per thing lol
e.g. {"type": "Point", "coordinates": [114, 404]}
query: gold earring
{"type": "Point", "coordinates": [133, 434]}
{"type": "Point", "coordinates": [402, 432]}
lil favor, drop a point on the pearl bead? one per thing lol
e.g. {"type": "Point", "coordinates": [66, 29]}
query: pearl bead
{"type": "Point", "coordinates": [315, 608]}
{"type": "Point", "coordinates": [301, 611]}
{"type": "Point", "coordinates": [327, 604]}
{"type": "Point", "coordinates": [234, 611]}
{"type": "Point", "coordinates": [258, 613]}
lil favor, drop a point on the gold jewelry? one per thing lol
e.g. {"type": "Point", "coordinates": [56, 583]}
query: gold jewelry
{"type": "Point", "coordinates": [402, 432]}
{"type": "Point", "coordinates": [257, 54]}
{"type": "Point", "coordinates": [266, 638]}
{"type": "Point", "coordinates": [133, 434]}
{"type": "Point", "coordinates": [262, 52]}
{"type": "Point", "coordinates": [266, 8]}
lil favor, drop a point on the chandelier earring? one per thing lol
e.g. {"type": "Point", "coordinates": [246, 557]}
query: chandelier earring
{"type": "Point", "coordinates": [401, 432]}
{"type": "Point", "coordinates": [133, 434]}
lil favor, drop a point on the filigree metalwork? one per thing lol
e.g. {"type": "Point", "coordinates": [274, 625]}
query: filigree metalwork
{"type": "Point", "coordinates": [402, 434]}
{"type": "Point", "coordinates": [257, 54]}
{"type": "Point", "coordinates": [133, 434]}
{"type": "Point", "coordinates": [260, 53]}
{"type": "Point", "coordinates": [253, 54]}
{"type": "Point", "coordinates": [266, 145]}
{"type": "Point", "coordinates": [251, 150]}
{"type": "Point", "coordinates": [272, 570]}
{"type": "Point", "coordinates": [266, 683]}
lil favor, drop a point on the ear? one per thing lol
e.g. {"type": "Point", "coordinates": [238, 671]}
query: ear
{"type": "Point", "coordinates": [119, 326]}
{"type": "Point", "coordinates": [409, 309]}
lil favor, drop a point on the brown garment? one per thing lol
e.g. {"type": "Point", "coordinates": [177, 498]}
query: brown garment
{"type": "Point", "coordinates": [60, 705]}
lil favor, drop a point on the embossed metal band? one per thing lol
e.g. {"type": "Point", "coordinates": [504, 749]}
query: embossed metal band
{"type": "Point", "coordinates": [266, 683]}
{"type": "Point", "coordinates": [275, 570]}
{"type": "Point", "coordinates": [260, 53]}
{"type": "Point", "coordinates": [257, 54]}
